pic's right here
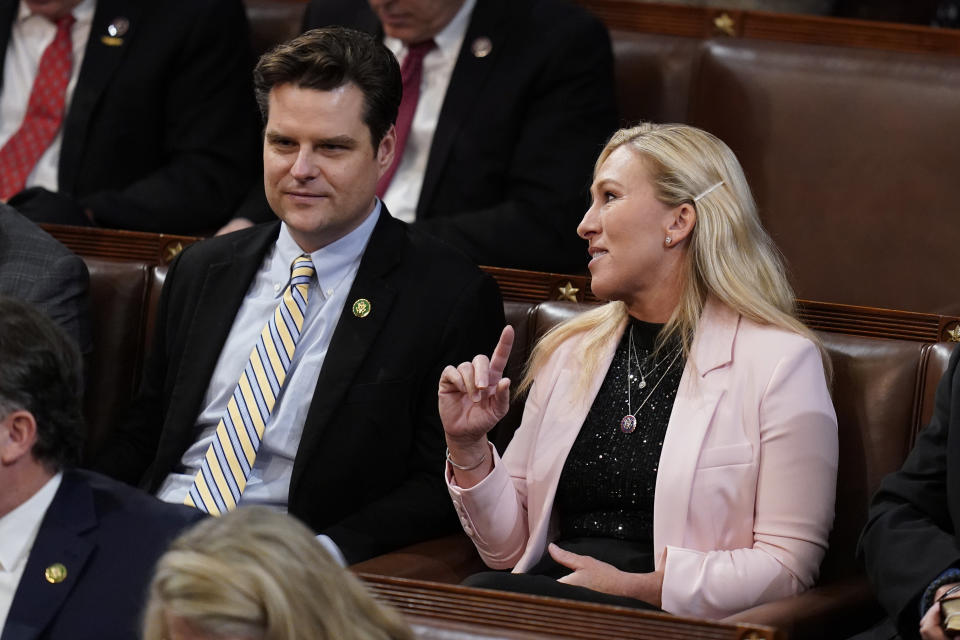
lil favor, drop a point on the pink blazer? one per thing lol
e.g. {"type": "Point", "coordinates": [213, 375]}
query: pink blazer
{"type": "Point", "coordinates": [747, 478]}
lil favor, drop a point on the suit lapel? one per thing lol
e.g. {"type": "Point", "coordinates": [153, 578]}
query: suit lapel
{"type": "Point", "coordinates": [697, 399]}
{"type": "Point", "coordinates": [60, 540]}
{"type": "Point", "coordinates": [101, 58]}
{"type": "Point", "coordinates": [8, 13]}
{"type": "Point", "coordinates": [567, 410]}
{"type": "Point", "coordinates": [468, 79]}
{"type": "Point", "coordinates": [224, 287]}
{"type": "Point", "coordinates": [353, 336]}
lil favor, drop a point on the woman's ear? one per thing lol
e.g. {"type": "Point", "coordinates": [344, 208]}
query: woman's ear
{"type": "Point", "coordinates": [681, 223]}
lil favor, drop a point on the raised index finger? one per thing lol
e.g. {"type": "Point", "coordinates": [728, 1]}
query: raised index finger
{"type": "Point", "coordinates": [501, 353]}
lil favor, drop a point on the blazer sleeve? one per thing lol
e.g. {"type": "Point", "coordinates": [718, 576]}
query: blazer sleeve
{"type": "Point", "coordinates": [910, 537]}
{"type": "Point", "coordinates": [794, 509]}
{"type": "Point", "coordinates": [61, 290]}
{"type": "Point", "coordinates": [495, 513]}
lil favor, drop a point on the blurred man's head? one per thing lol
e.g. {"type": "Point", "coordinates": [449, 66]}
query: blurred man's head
{"type": "Point", "coordinates": [415, 21]}
{"type": "Point", "coordinates": [41, 424]}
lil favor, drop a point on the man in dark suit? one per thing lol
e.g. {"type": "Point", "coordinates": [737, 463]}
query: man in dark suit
{"type": "Point", "coordinates": [352, 443]}
{"type": "Point", "coordinates": [498, 161]}
{"type": "Point", "coordinates": [34, 267]}
{"type": "Point", "coordinates": [76, 549]}
{"type": "Point", "coordinates": [911, 543]}
{"type": "Point", "coordinates": [160, 129]}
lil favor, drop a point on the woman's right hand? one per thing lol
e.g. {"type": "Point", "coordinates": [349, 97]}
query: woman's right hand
{"type": "Point", "coordinates": [474, 396]}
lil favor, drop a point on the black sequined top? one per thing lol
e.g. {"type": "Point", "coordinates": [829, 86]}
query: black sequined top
{"type": "Point", "coordinates": [607, 484]}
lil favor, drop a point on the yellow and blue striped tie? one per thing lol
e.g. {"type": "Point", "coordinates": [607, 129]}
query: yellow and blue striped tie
{"type": "Point", "coordinates": [226, 465]}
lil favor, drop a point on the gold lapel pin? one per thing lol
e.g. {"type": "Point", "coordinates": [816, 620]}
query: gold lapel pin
{"type": "Point", "coordinates": [55, 573]}
{"type": "Point", "coordinates": [481, 47]}
{"type": "Point", "coordinates": [361, 307]}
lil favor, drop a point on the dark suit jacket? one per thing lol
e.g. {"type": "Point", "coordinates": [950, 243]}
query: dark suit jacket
{"type": "Point", "coordinates": [369, 469]}
{"type": "Point", "coordinates": [35, 268]}
{"type": "Point", "coordinates": [913, 528]}
{"type": "Point", "coordinates": [519, 130]}
{"type": "Point", "coordinates": [161, 133]}
{"type": "Point", "coordinates": [108, 536]}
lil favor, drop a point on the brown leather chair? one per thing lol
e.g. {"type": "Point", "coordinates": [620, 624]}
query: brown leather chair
{"type": "Point", "coordinates": [273, 21]}
{"type": "Point", "coordinates": [118, 294]}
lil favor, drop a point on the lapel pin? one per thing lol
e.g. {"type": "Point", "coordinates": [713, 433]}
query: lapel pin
{"type": "Point", "coordinates": [361, 308]}
{"type": "Point", "coordinates": [481, 47]}
{"type": "Point", "coordinates": [55, 573]}
{"type": "Point", "coordinates": [118, 27]}
{"type": "Point", "coordinates": [115, 31]}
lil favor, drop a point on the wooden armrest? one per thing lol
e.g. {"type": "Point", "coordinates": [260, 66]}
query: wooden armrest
{"type": "Point", "coordinates": [836, 610]}
{"type": "Point", "coordinates": [449, 560]}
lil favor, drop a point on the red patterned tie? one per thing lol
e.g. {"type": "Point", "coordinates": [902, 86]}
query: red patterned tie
{"type": "Point", "coordinates": [44, 113]}
{"type": "Point", "coordinates": [411, 71]}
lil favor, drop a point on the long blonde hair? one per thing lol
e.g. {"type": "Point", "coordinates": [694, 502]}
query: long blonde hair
{"type": "Point", "coordinates": [259, 574]}
{"type": "Point", "coordinates": [730, 255]}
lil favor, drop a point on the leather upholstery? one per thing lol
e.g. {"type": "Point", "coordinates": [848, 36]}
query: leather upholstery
{"type": "Point", "coordinates": [118, 291]}
{"type": "Point", "coordinates": [653, 75]}
{"type": "Point", "coordinates": [273, 21]}
{"type": "Point", "coordinates": [851, 156]}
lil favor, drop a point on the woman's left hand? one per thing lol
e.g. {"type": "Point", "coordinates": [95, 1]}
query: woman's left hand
{"type": "Point", "coordinates": [593, 574]}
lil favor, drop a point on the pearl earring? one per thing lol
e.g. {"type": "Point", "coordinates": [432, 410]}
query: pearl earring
{"type": "Point", "coordinates": [668, 240]}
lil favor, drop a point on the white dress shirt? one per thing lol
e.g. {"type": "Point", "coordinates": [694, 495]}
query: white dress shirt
{"type": "Point", "coordinates": [30, 36]}
{"type": "Point", "coordinates": [404, 191]}
{"type": "Point", "coordinates": [18, 531]}
{"type": "Point", "coordinates": [336, 265]}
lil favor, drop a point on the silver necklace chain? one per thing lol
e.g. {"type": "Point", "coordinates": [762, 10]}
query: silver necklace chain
{"type": "Point", "coordinates": [628, 423]}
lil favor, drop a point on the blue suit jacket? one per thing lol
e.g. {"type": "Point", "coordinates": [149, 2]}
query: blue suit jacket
{"type": "Point", "coordinates": [108, 536]}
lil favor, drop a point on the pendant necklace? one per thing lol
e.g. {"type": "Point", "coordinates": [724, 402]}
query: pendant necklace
{"type": "Point", "coordinates": [628, 423]}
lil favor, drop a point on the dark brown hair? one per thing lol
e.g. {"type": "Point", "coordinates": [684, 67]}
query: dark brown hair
{"type": "Point", "coordinates": [40, 372]}
{"type": "Point", "coordinates": [329, 58]}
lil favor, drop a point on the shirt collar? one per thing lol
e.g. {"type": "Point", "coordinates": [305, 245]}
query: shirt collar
{"type": "Point", "coordinates": [335, 260]}
{"type": "Point", "coordinates": [18, 528]}
{"type": "Point", "coordinates": [449, 38]}
{"type": "Point", "coordinates": [83, 12]}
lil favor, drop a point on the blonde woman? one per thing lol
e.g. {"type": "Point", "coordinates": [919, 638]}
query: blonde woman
{"type": "Point", "coordinates": [678, 447]}
{"type": "Point", "coordinates": [256, 574]}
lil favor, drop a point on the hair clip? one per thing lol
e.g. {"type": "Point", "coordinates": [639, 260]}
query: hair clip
{"type": "Point", "coordinates": [709, 189]}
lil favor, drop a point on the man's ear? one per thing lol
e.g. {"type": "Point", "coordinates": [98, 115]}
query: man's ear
{"type": "Point", "coordinates": [681, 223]}
{"type": "Point", "coordinates": [386, 149]}
{"type": "Point", "coordinates": [18, 434]}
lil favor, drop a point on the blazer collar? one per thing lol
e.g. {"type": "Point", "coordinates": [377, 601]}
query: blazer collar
{"type": "Point", "coordinates": [224, 285]}
{"type": "Point", "coordinates": [490, 20]}
{"type": "Point", "coordinates": [713, 345]}
{"type": "Point", "coordinates": [353, 336]}
{"type": "Point", "coordinates": [8, 13]}
{"type": "Point", "coordinates": [100, 59]}
{"type": "Point", "coordinates": [60, 540]}
{"type": "Point", "coordinates": [701, 388]}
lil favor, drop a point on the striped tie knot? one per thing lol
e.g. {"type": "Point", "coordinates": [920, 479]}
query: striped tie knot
{"type": "Point", "coordinates": [302, 270]}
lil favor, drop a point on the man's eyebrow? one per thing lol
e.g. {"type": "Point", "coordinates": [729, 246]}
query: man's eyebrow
{"type": "Point", "coordinates": [340, 141]}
